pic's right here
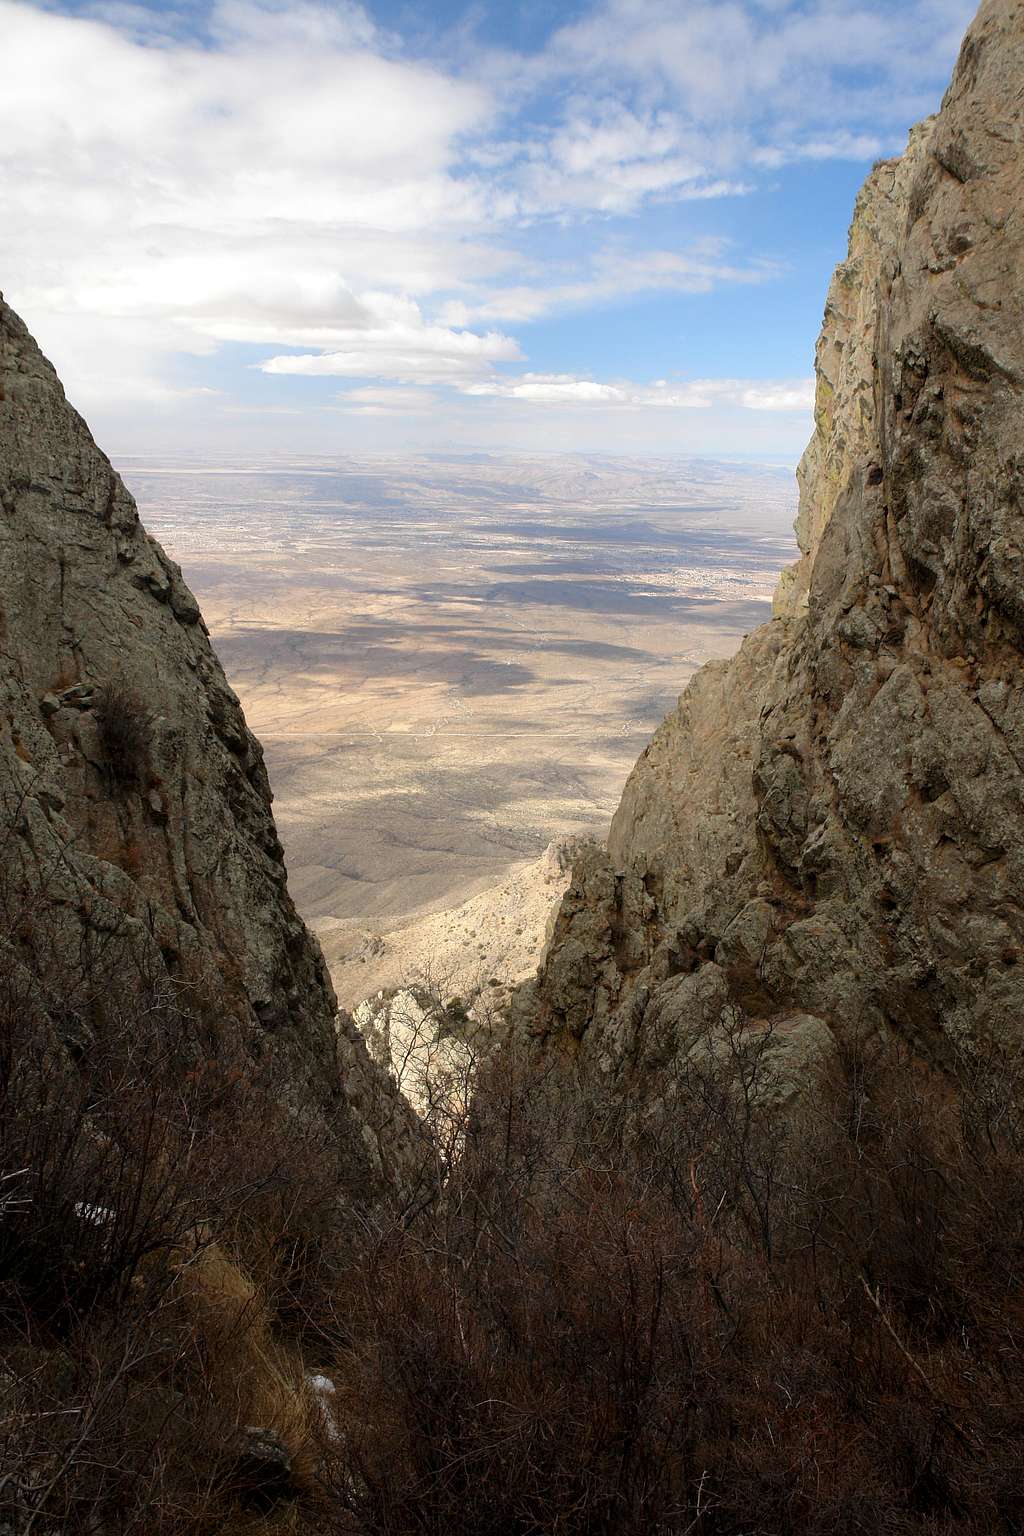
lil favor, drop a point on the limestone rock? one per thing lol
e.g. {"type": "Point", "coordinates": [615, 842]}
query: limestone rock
{"type": "Point", "coordinates": [828, 831]}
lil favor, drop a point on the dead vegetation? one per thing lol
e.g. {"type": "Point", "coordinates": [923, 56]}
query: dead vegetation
{"type": "Point", "coordinates": [590, 1316]}
{"type": "Point", "coordinates": [715, 1323]}
{"type": "Point", "coordinates": [153, 1198]}
{"type": "Point", "coordinates": [160, 1207]}
{"type": "Point", "coordinates": [125, 725]}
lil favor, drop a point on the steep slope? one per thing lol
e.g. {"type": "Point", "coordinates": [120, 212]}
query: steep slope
{"type": "Point", "coordinates": [137, 843]}
{"type": "Point", "coordinates": [828, 832]}
{"type": "Point", "coordinates": [494, 940]}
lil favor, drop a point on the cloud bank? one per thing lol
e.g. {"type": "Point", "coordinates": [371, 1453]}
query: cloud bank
{"type": "Point", "coordinates": [295, 192]}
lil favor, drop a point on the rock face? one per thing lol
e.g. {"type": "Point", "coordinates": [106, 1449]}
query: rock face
{"type": "Point", "coordinates": [136, 835]}
{"type": "Point", "coordinates": [495, 939]}
{"type": "Point", "coordinates": [409, 1035]}
{"type": "Point", "coordinates": [828, 832]}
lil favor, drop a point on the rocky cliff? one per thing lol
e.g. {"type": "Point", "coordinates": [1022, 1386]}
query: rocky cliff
{"type": "Point", "coordinates": [137, 844]}
{"type": "Point", "coordinates": [828, 832]}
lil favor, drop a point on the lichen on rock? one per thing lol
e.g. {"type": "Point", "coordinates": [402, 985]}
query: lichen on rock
{"type": "Point", "coordinates": [137, 842]}
{"type": "Point", "coordinates": [830, 826]}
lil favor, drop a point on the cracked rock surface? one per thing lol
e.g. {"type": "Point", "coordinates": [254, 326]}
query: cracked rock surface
{"type": "Point", "coordinates": [828, 832]}
{"type": "Point", "coordinates": [136, 833]}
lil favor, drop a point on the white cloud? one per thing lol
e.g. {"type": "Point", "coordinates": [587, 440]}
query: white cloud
{"type": "Point", "coordinates": [402, 347]}
{"type": "Point", "coordinates": [841, 145]}
{"type": "Point", "coordinates": [546, 389]}
{"type": "Point", "coordinates": [753, 70]}
{"type": "Point", "coordinates": [286, 184]}
{"type": "Point", "coordinates": [610, 157]}
{"type": "Point", "coordinates": [791, 395]}
{"type": "Point", "coordinates": [388, 400]}
{"type": "Point", "coordinates": [293, 178]}
{"type": "Point", "coordinates": [297, 183]}
{"type": "Point", "coordinates": [786, 395]}
{"type": "Point", "coordinates": [608, 276]}
{"type": "Point", "coordinates": [345, 24]}
{"type": "Point", "coordinates": [684, 99]}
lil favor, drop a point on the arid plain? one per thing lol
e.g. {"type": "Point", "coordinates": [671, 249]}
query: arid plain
{"type": "Point", "coordinates": [453, 661]}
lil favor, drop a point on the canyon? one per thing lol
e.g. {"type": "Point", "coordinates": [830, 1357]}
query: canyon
{"type": "Point", "coordinates": [450, 663]}
{"type": "Point", "coordinates": [722, 1231]}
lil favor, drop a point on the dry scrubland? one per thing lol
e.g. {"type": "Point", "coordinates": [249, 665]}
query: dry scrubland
{"type": "Point", "coordinates": [452, 661]}
{"type": "Point", "coordinates": [730, 1324]}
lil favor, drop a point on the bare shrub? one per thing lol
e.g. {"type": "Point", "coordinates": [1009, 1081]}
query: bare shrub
{"type": "Point", "coordinates": [717, 1319]}
{"type": "Point", "coordinates": [685, 1311]}
{"type": "Point", "coordinates": [125, 725]}
{"type": "Point", "coordinates": [154, 1197]}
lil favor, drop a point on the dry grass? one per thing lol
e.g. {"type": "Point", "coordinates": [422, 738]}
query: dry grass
{"type": "Point", "coordinates": [147, 1239]}
{"type": "Point", "coordinates": [713, 1321]}
{"type": "Point", "coordinates": [731, 1326]}
{"type": "Point", "coordinates": [253, 1377]}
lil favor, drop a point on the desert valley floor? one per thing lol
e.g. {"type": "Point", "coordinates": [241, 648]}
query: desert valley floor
{"type": "Point", "coordinates": [452, 661]}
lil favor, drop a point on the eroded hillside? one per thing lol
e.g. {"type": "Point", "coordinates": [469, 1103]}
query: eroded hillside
{"type": "Point", "coordinates": [189, 1136]}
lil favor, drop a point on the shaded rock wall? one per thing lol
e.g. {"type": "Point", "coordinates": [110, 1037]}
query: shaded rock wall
{"type": "Point", "coordinates": [136, 834]}
{"type": "Point", "coordinates": [830, 827]}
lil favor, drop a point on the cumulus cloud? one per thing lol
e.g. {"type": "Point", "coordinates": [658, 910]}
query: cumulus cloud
{"type": "Point", "coordinates": [286, 181]}
{"type": "Point", "coordinates": [294, 178]}
{"type": "Point", "coordinates": [289, 179]}
{"type": "Point", "coordinates": [431, 355]}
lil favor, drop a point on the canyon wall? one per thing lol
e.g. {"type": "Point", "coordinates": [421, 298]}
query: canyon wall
{"type": "Point", "coordinates": [826, 837]}
{"type": "Point", "coordinates": [138, 848]}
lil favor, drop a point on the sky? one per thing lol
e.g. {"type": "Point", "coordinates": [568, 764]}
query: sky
{"type": "Point", "coordinates": [594, 225]}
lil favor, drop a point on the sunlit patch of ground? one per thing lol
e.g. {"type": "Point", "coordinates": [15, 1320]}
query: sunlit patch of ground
{"type": "Point", "coordinates": [452, 662]}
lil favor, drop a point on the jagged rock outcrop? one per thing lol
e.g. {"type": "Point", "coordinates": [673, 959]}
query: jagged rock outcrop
{"type": "Point", "coordinates": [494, 940]}
{"type": "Point", "coordinates": [136, 835]}
{"type": "Point", "coordinates": [828, 832]}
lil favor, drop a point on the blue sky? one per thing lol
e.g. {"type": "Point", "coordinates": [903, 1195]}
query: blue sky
{"type": "Point", "coordinates": [327, 227]}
